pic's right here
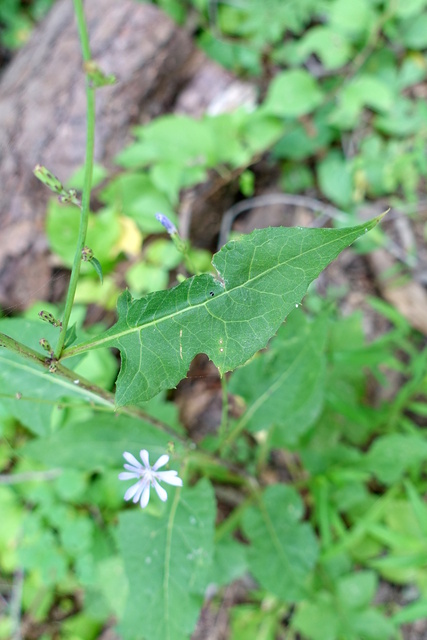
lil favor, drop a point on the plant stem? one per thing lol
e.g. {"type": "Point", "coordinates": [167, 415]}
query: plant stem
{"type": "Point", "coordinates": [87, 185]}
{"type": "Point", "coordinates": [224, 413]}
{"type": "Point", "coordinates": [22, 350]}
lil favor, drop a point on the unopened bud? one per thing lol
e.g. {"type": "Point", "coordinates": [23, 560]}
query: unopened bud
{"type": "Point", "coordinates": [48, 317]}
{"type": "Point", "coordinates": [179, 243]}
{"type": "Point", "coordinates": [97, 77]}
{"type": "Point", "coordinates": [52, 367]}
{"type": "Point", "coordinates": [51, 181]}
{"type": "Point", "coordinates": [45, 345]}
{"type": "Point", "coordinates": [70, 197]}
{"type": "Point", "coordinates": [167, 224]}
{"type": "Point", "coordinates": [87, 254]}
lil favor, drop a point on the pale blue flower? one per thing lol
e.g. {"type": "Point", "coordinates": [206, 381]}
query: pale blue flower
{"type": "Point", "coordinates": [147, 476]}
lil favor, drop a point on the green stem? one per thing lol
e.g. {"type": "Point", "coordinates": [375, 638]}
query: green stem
{"type": "Point", "coordinates": [224, 414]}
{"type": "Point", "coordinates": [87, 185]}
{"type": "Point", "coordinates": [22, 350]}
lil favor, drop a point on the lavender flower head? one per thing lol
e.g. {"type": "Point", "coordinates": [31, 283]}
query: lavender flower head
{"type": "Point", "coordinates": [168, 225]}
{"type": "Point", "coordinates": [147, 476]}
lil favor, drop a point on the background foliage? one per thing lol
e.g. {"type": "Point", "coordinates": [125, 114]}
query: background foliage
{"type": "Point", "coordinates": [338, 517]}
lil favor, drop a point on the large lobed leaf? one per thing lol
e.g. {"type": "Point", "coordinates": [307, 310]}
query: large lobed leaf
{"type": "Point", "coordinates": [261, 278]}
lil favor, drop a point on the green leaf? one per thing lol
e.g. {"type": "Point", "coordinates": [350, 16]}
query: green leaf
{"type": "Point", "coordinates": [283, 551]}
{"type": "Point", "coordinates": [261, 278]}
{"type": "Point", "coordinates": [97, 443]}
{"type": "Point", "coordinates": [317, 619]}
{"type": "Point", "coordinates": [351, 17]}
{"type": "Point", "coordinates": [292, 93]}
{"type": "Point", "coordinates": [363, 91]}
{"type": "Point", "coordinates": [414, 32]}
{"type": "Point", "coordinates": [103, 233]}
{"type": "Point", "coordinates": [136, 196]}
{"type": "Point", "coordinates": [391, 455]}
{"type": "Point", "coordinates": [331, 47]}
{"type": "Point", "coordinates": [229, 562]}
{"type": "Point", "coordinates": [31, 393]}
{"type": "Point", "coordinates": [356, 590]}
{"type": "Point", "coordinates": [167, 559]}
{"type": "Point", "coordinates": [97, 266]}
{"type": "Point", "coordinates": [335, 179]}
{"type": "Point", "coordinates": [284, 386]}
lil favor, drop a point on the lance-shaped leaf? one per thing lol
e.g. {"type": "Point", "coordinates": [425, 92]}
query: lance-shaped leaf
{"type": "Point", "coordinates": [261, 277]}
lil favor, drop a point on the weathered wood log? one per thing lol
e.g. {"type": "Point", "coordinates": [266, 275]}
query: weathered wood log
{"type": "Point", "coordinates": [42, 115]}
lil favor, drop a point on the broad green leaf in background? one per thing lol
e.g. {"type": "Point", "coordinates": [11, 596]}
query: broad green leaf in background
{"type": "Point", "coordinates": [335, 179]}
{"type": "Point", "coordinates": [345, 612]}
{"type": "Point", "coordinates": [283, 550]}
{"type": "Point", "coordinates": [134, 195]}
{"type": "Point", "coordinates": [229, 561]}
{"type": "Point", "coordinates": [292, 93]}
{"type": "Point", "coordinates": [363, 91]}
{"type": "Point", "coordinates": [167, 559]}
{"type": "Point", "coordinates": [351, 18]}
{"type": "Point", "coordinates": [261, 278]}
{"type": "Point", "coordinates": [331, 47]}
{"type": "Point", "coordinates": [253, 621]}
{"type": "Point", "coordinates": [97, 443]}
{"type": "Point", "coordinates": [103, 234]}
{"type": "Point", "coordinates": [283, 387]}
{"type": "Point", "coordinates": [392, 455]}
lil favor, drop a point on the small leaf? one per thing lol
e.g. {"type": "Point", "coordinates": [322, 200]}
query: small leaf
{"type": "Point", "coordinates": [335, 179]}
{"type": "Point", "coordinates": [292, 93]}
{"type": "Point", "coordinates": [97, 266]}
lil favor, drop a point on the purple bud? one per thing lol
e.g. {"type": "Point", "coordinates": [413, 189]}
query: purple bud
{"type": "Point", "coordinates": [168, 225]}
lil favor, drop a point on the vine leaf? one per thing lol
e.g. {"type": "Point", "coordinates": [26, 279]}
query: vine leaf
{"type": "Point", "coordinates": [261, 278]}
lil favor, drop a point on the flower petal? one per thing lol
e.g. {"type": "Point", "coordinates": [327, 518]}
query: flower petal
{"type": "Point", "coordinates": [125, 475]}
{"type": "Point", "coordinates": [160, 462]}
{"type": "Point", "coordinates": [130, 458]}
{"type": "Point", "coordinates": [145, 496]}
{"type": "Point", "coordinates": [137, 470]}
{"type": "Point", "coordinates": [145, 458]}
{"type": "Point", "coordinates": [170, 477]}
{"type": "Point", "coordinates": [133, 490]}
{"type": "Point", "coordinates": [162, 493]}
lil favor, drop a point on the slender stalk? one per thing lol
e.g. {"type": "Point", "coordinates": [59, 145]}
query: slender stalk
{"type": "Point", "coordinates": [224, 413]}
{"type": "Point", "coordinates": [16, 604]}
{"type": "Point", "coordinates": [87, 185]}
{"type": "Point", "coordinates": [22, 350]}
